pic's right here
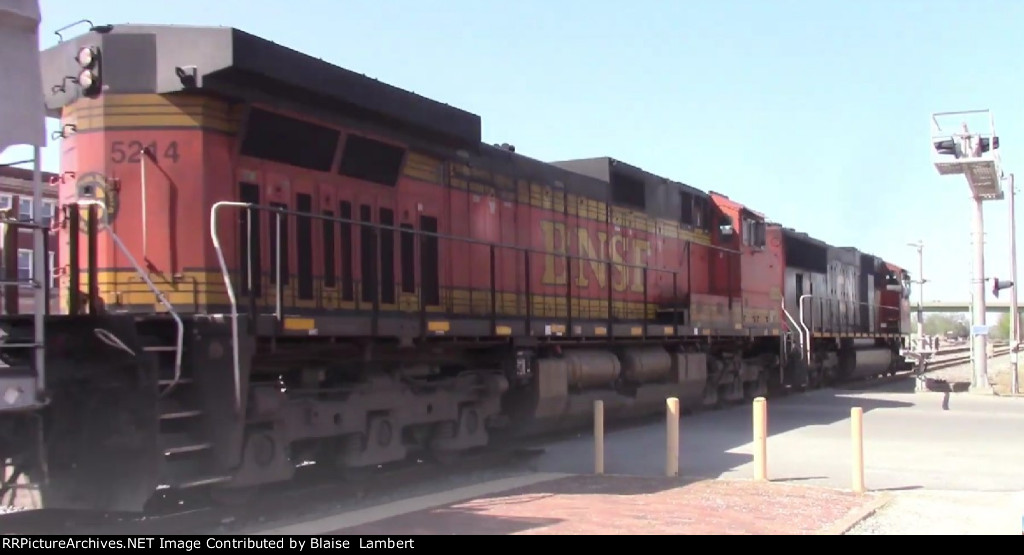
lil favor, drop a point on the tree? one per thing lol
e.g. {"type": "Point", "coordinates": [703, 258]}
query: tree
{"type": "Point", "coordinates": [955, 325]}
{"type": "Point", "coordinates": [1002, 328]}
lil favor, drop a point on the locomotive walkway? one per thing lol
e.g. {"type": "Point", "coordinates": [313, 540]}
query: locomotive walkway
{"type": "Point", "coordinates": [956, 455]}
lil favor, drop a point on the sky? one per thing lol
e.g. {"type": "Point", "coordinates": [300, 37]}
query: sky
{"type": "Point", "coordinates": [817, 114]}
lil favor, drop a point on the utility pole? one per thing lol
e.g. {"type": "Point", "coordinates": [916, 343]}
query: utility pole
{"type": "Point", "coordinates": [1014, 314]}
{"type": "Point", "coordinates": [919, 245]}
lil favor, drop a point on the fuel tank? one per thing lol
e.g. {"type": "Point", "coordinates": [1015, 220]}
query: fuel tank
{"type": "Point", "coordinates": [646, 365]}
{"type": "Point", "coordinates": [591, 368]}
{"type": "Point", "coordinates": [866, 361]}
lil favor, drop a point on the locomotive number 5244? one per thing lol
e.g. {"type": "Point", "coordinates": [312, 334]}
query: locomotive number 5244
{"type": "Point", "coordinates": [130, 152]}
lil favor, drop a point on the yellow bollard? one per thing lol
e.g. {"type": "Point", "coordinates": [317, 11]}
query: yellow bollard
{"type": "Point", "coordinates": [761, 439]}
{"type": "Point", "coordinates": [598, 437]}
{"type": "Point", "coordinates": [857, 441]}
{"type": "Point", "coordinates": [672, 437]}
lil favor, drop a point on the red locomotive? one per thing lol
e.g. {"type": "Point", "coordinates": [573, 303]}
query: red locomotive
{"type": "Point", "coordinates": [267, 260]}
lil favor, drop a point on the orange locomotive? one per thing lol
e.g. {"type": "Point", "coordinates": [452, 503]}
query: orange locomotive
{"type": "Point", "coordinates": [269, 260]}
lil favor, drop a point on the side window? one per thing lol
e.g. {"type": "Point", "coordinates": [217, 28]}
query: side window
{"type": "Point", "coordinates": [49, 210]}
{"type": "Point", "coordinates": [700, 213]}
{"type": "Point", "coordinates": [685, 208]}
{"type": "Point", "coordinates": [25, 209]}
{"type": "Point", "coordinates": [24, 264]}
{"type": "Point", "coordinates": [753, 233]}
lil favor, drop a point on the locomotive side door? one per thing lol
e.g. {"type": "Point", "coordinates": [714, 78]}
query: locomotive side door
{"type": "Point", "coordinates": [483, 227]}
{"type": "Point", "coordinates": [420, 200]}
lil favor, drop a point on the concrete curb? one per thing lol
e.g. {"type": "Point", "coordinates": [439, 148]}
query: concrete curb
{"type": "Point", "coordinates": [857, 515]}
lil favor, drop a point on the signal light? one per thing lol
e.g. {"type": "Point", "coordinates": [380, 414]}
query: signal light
{"type": "Point", "coordinates": [88, 59]}
{"type": "Point", "coordinates": [997, 285]}
{"type": "Point", "coordinates": [946, 147]}
{"type": "Point", "coordinates": [949, 146]}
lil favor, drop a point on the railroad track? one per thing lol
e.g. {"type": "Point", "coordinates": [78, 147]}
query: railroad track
{"type": "Point", "coordinates": [943, 359]}
{"type": "Point", "coordinates": [954, 359]}
{"type": "Point", "coordinates": [967, 348]}
{"type": "Point", "coordinates": [314, 491]}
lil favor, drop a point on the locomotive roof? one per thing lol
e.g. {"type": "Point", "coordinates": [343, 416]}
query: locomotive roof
{"type": "Point", "coordinates": [602, 167]}
{"type": "Point", "coordinates": [790, 232]}
{"type": "Point", "coordinates": [227, 61]}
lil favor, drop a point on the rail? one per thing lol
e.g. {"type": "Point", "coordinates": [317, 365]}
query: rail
{"type": "Point", "coordinates": [105, 336]}
{"type": "Point", "coordinates": [829, 315]}
{"type": "Point", "coordinates": [838, 315]}
{"type": "Point", "coordinates": [807, 348]}
{"type": "Point", "coordinates": [643, 271]}
{"type": "Point", "coordinates": [782, 373]}
{"type": "Point", "coordinates": [231, 291]}
{"type": "Point", "coordinates": [667, 289]}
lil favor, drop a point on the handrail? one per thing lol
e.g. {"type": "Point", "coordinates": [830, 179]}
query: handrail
{"type": "Point", "coordinates": [459, 238]}
{"type": "Point", "coordinates": [782, 372]}
{"type": "Point", "coordinates": [253, 208]}
{"type": "Point", "coordinates": [807, 346]}
{"type": "Point", "coordinates": [231, 294]}
{"type": "Point", "coordinates": [791, 320]}
{"type": "Point", "coordinates": [159, 295]}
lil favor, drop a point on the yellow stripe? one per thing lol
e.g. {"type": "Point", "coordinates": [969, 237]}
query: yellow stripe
{"type": "Point", "coordinates": [423, 168]}
{"type": "Point", "coordinates": [299, 324]}
{"type": "Point", "coordinates": [439, 326]}
{"type": "Point", "coordinates": [123, 288]}
{"type": "Point", "coordinates": [151, 110]}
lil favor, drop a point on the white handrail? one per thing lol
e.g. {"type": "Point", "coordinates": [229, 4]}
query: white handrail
{"type": "Point", "coordinates": [807, 345]}
{"type": "Point", "coordinates": [156, 290]}
{"type": "Point", "coordinates": [795, 325]}
{"type": "Point", "coordinates": [231, 294]}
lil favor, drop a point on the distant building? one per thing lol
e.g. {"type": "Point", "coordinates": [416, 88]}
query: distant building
{"type": "Point", "coordinates": [16, 200]}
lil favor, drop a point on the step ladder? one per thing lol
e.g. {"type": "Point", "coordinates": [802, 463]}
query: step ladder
{"type": "Point", "coordinates": [189, 459]}
{"type": "Point", "coordinates": [184, 437]}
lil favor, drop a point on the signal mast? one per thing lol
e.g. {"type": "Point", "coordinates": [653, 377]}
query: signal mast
{"type": "Point", "coordinates": [976, 157]}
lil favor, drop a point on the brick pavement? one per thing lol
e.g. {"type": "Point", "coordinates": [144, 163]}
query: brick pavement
{"type": "Point", "coordinates": [587, 505]}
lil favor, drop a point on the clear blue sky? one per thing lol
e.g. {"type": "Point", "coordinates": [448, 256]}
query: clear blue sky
{"type": "Point", "coordinates": [815, 113]}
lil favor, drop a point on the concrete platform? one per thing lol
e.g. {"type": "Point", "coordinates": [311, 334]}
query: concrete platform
{"type": "Point", "coordinates": [603, 505]}
{"type": "Point", "coordinates": [911, 441]}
